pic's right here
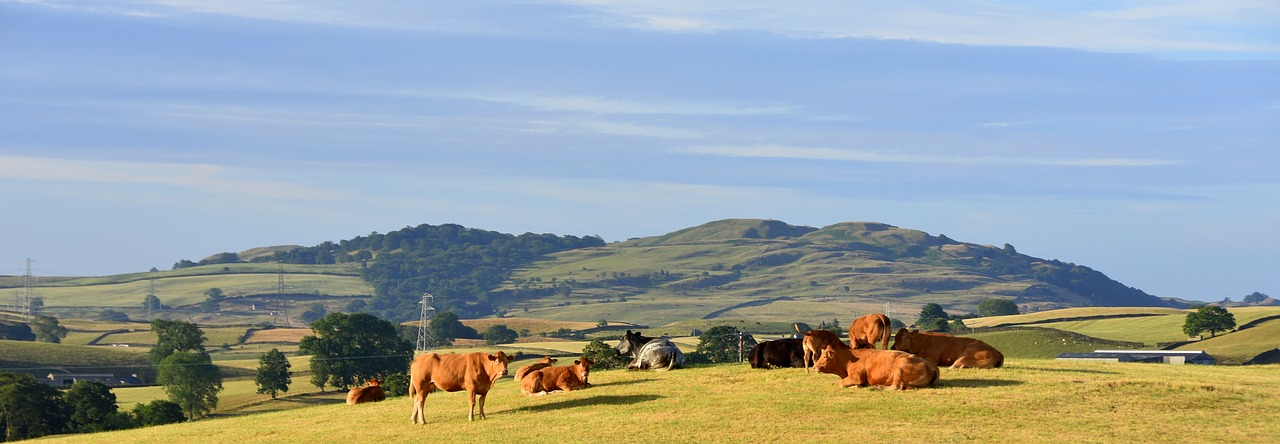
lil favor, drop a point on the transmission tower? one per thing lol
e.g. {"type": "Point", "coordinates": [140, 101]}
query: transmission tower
{"type": "Point", "coordinates": [424, 331]}
{"type": "Point", "coordinates": [28, 283]}
{"type": "Point", "coordinates": [282, 305]}
{"type": "Point", "coordinates": [151, 292]}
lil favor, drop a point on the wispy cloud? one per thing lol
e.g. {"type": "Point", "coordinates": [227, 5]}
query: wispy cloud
{"type": "Point", "coordinates": [614, 128]}
{"type": "Point", "coordinates": [788, 152]}
{"type": "Point", "coordinates": [600, 105]}
{"type": "Point", "coordinates": [208, 178]}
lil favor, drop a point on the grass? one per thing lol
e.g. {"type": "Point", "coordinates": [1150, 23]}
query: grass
{"type": "Point", "coordinates": [1027, 401]}
{"type": "Point", "coordinates": [1068, 313]}
{"type": "Point", "coordinates": [179, 291]}
{"type": "Point", "coordinates": [40, 358]}
{"type": "Point", "coordinates": [1240, 346]}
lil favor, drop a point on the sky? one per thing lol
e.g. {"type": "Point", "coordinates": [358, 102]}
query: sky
{"type": "Point", "coordinates": [1138, 138]}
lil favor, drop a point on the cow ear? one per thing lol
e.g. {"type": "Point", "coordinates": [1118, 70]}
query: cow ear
{"type": "Point", "coordinates": [576, 362]}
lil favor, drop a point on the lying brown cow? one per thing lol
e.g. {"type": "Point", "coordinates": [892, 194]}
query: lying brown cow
{"type": "Point", "coordinates": [867, 366]}
{"type": "Point", "coordinates": [815, 341]}
{"type": "Point", "coordinates": [866, 330]}
{"type": "Point", "coordinates": [545, 362]}
{"type": "Point", "coordinates": [473, 372]}
{"type": "Point", "coordinates": [550, 379]}
{"type": "Point", "coordinates": [946, 350]}
{"type": "Point", "coordinates": [370, 393]}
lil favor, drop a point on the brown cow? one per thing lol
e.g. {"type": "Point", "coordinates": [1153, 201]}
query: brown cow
{"type": "Point", "coordinates": [862, 367]}
{"type": "Point", "coordinates": [866, 330]}
{"type": "Point", "coordinates": [473, 372]}
{"type": "Point", "coordinates": [545, 362]}
{"type": "Point", "coordinates": [370, 393]}
{"type": "Point", "coordinates": [815, 341]}
{"type": "Point", "coordinates": [946, 350]}
{"type": "Point", "coordinates": [550, 379]}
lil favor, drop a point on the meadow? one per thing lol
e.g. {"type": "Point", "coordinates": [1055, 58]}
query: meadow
{"type": "Point", "coordinates": [1030, 400]}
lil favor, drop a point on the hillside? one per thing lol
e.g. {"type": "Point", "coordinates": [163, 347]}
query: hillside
{"type": "Point", "coordinates": [767, 270]}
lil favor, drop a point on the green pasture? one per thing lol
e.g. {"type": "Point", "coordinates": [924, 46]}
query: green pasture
{"type": "Point", "coordinates": [1240, 346]}
{"type": "Point", "coordinates": [40, 359]}
{"type": "Point", "coordinates": [1030, 400]}
{"type": "Point", "coordinates": [189, 290]}
{"type": "Point", "coordinates": [1067, 313]}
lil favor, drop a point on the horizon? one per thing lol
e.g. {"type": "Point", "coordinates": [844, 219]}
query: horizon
{"type": "Point", "coordinates": [1137, 139]}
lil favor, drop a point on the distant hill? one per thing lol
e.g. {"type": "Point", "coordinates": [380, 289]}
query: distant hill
{"type": "Point", "coordinates": [725, 265]}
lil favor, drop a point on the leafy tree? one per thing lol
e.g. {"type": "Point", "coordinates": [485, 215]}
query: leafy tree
{"type": "Point", "coordinates": [604, 356]}
{"type": "Point", "coordinates": [214, 294]}
{"type": "Point", "coordinates": [997, 307]}
{"type": "Point", "coordinates": [192, 381]}
{"type": "Point", "coordinates": [47, 329]}
{"type": "Point", "coordinates": [1255, 297]}
{"type": "Point", "coordinates": [956, 325]}
{"type": "Point", "coordinates": [499, 334]}
{"type": "Point", "coordinates": [1210, 318]}
{"type": "Point", "coordinates": [350, 348]}
{"type": "Point", "coordinates": [720, 344]}
{"type": "Point", "coordinates": [396, 384]}
{"type": "Point", "coordinates": [157, 412]}
{"type": "Point", "coordinates": [316, 311]}
{"type": "Point", "coordinates": [29, 409]}
{"type": "Point", "coordinates": [175, 336]}
{"type": "Point", "coordinates": [93, 408]}
{"type": "Point", "coordinates": [16, 332]}
{"type": "Point", "coordinates": [355, 306]}
{"type": "Point", "coordinates": [273, 373]}
{"type": "Point", "coordinates": [445, 326]}
{"type": "Point", "coordinates": [113, 315]}
{"type": "Point", "coordinates": [932, 318]}
{"type": "Point", "coordinates": [151, 302]}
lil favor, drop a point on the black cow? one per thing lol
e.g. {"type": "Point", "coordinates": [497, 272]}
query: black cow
{"type": "Point", "coordinates": [778, 353]}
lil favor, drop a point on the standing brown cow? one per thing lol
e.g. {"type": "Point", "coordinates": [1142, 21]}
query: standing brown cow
{"type": "Point", "coordinates": [946, 350]}
{"type": "Point", "coordinates": [816, 340]}
{"type": "Point", "coordinates": [550, 379]}
{"type": "Point", "coordinates": [370, 393]}
{"type": "Point", "coordinates": [862, 367]}
{"type": "Point", "coordinates": [473, 372]}
{"type": "Point", "coordinates": [866, 330]}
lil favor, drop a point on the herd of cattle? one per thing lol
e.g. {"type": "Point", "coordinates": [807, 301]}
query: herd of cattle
{"type": "Point", "coordinates": [912, 363]}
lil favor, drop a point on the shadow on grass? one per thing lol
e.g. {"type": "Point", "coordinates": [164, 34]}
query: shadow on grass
{"type": "Point", "coordinates": [627, 382]}
{"type": "Point", "coordinates": [1069, 370]}
{"type": "Point", "coordinates": [975, 383]}
{"type": "Point", "coordinates": [589, 401]}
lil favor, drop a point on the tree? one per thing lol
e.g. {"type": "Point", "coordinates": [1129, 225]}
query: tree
{"type": "Point", "coordinates": [1255, 297]}
{"type": "Point", "coordinates": [175, 336]}
{"type": "Point", "coordinates": [347, 349]}
{"type": "Point", "coordinates": [720, 344]}
{"type": "Point", "coordinates": [29, 409]}
{"type": "Point", "coordinates": [1210, 318]}
{"type": "Point", "coordinates": [932, 318]}
{"type": "Point", "coordinates": [93, 408]}
{"type": "Point", "coordinates": [151, 302]}
{"type": "Point", "coordinates": [604, 356]}
{"type": "Point", "coordinates": [192, 381]}
{"type": "Point", "coordinates": [214, 294]}
{"type": "Point", "coordinates": [445, 325]}
{"type": "Point", "coordinates": [157, 412]}
{"type": "Point", "coordinates": [47, 329]}
{"type": "Point", "coordinates": [16, 332]}
{"type": "Point", "coordinates": [113, 315]}
{"type": "Point", "coordinates": [499, 334]}
{"type": "Point", "coordinates": [997, 307]}
{"type": "Point", "coordinates": [956, 325]}
{"type": "Point", "coordinates": [273, 373]}
{"type": "Point", "coordinates": [316, 311]}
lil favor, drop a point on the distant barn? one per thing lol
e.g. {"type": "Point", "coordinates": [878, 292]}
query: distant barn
{"type": "Point", "coordinates": [1151, 356]}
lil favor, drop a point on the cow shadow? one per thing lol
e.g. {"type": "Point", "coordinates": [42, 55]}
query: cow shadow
{"type": "Point", "coordinates": [588, 401]}
{"type": "Point", "coordinates": [626, 382]}
{"type": "Point", "coordinates": [976, 383]}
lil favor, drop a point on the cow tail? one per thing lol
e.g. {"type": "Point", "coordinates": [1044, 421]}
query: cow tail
{"type": "Point", "coordinates": [999, 359]}
{"type": "Point", "coordinates": [884, 332]}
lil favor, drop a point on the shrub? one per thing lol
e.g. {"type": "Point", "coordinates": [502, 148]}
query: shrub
{"type": "Point", "coordinates": [604, 356]}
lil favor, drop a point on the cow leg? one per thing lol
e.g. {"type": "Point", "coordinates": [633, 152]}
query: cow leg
{"type": "Point", "coordinates": [472, 415]}
{"type": "Point", "coordinates": [419, 407]}
{"type": "Point", "coordinates": [482, 398]}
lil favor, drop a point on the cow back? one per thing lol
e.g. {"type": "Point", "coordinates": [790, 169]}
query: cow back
{"type": "Point", "coordinates": [454, 372]}
{"type": "Point", "coordinates": [947, 350]}
{"type": "Point", "coordinates": [865, 331]}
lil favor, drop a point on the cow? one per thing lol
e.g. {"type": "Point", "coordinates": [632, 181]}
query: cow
{"type": "Point", "coordinates": [946, 350]}
{"type": "Point", "coordinates": [551, 379]}
{"type": "Point", "coordinates": [649, 353]}
{"type": "Point", "coordinates": [813, 343]}
{"type": "Point", "coordinates": [545, 362]}
{"type": "Point", "coordinates": [862, 367]}
{"type": "Point", "coordinates": [370, 393]}
{"type": "Point", "coordinates": [473, 372]}
{"type": "Point", "coordinates": [778, 353]}
{"type": "Point", "coordinates": [866, 330]}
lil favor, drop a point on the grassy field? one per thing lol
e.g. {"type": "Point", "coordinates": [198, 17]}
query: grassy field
{"type": "Point", "coordinates": [189, 290]}
{"type": "Point", "coordinates": [1069, 313]}
{"type": "Point", "coordinates": [1027, 401]}
{"type": "Point", "coordinates": [1240, 346]}
{"type": "Point", "coordinates": [40, 358]}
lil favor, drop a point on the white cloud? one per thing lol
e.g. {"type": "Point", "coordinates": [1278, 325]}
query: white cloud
{"type": "Point", "coordinates": [850, 155]}
{"type": "Point", "coordinates": [206, 178]}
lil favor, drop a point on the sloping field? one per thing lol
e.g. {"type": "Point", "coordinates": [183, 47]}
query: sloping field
{"type": "Point", "coordinates": [35, 358]}
{"type": "Point", "coordinates": [290, 335]}
{"type": "Point", "coordinates": [214, 336]}
{"type": "Point", "coordinates": [189, 290]}
{"type": "Point", "coordinates": [534, 326]}
{"type": "Point", "coordinates": [1040, 343]}
{"type": "Point", "coordinates": [1242, 345]}
{"type": "Point", "coordinates": [1028, 401]}
{"type": "Point", "coordinates": [1067, 313]}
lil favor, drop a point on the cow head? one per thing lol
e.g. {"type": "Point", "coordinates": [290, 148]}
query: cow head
{"type": "Point", "coordinates": [497, 364]}
{"type": "Point", "coordinates": [629, 344]}
{"type": "Point", "coordinates": [827, 362]}
{"type": "Point", "coordinates": [374, 382]}
{"type": "Point", "coordinates": [547, 359]}
{"type": "Point", "coordinates": [902, 340]}
{"type": "Point", "coordinates": [583, 367]}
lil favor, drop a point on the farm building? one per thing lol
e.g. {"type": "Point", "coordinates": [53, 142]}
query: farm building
{"type": "Point", "coordinates": [67, 379]}
{"type": "Point", "coordinates": [1153, 356]}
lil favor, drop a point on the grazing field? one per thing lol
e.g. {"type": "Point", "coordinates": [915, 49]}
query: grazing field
{"type": "Point", "coordinates": [1069, 313]}
{"type": "Point", "coordinates": [189, 290]}
{"type": "Point", "coordinates": [40, 359]}
{"type": "Point", "coordinates": [1238, 347]}
{"type": "Point", "coordinates": [1027, 401]}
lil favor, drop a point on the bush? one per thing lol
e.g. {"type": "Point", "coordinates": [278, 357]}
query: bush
{"type": "Point", "coordinates": [396, 384]}
{"type": "Point", "coordinates": [604, 356]}
{"type": "Point", "coordinates": [720, 344]}
{"type": "Point", "coordinates": [499, 334]}
{"type": "Point", "coordinates": [158, 412]}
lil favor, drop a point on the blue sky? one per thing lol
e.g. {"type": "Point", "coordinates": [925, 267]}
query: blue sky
{"type": "Point", "coordinates": [1139, 138]}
